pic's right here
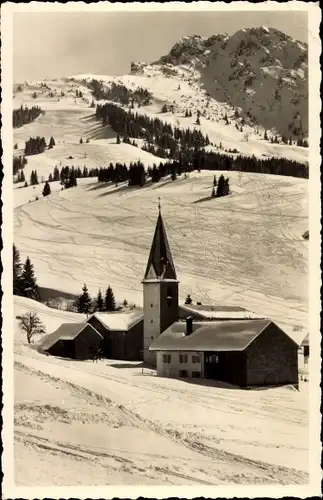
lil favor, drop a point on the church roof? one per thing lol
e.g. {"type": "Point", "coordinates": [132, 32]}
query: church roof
{"type": "Point", "coordinates": [160, 263]}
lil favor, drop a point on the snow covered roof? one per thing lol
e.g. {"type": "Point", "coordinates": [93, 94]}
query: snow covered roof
{"type": "Point", "coordinates": [218, 312]}
{"type": "Point", "coordinates": [210, 336]}
{"type": "Point", "coordinates": [118, 321]}
{"type": "Point", "coordinates": [67, 331]}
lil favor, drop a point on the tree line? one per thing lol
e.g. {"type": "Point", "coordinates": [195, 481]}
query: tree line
{"type": "Point", "coordinates": [187, 147]}
{"type": "Point", "coordinates": [24, 115]}
{"type": "Point", "coordinates": [18, 163]}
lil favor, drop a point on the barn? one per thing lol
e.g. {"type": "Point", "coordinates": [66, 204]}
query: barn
{"type": "Point", "coordinates": [246, 353]}
{"type": "Point", "coordinates": [72, 340]}
{"type": "Point", "coordinates": [122, 334]}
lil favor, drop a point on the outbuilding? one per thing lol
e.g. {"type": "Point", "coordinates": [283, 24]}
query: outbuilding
{"type": "Point", "coordinates": [72, 340]}
{"type": "Point", "coordinates": [241, 352]}
{"type": "Point", "coordinates": [122, 334]}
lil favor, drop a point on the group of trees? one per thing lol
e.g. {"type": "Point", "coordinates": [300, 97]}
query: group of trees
{"type": "Point", "coordinates": [120, 93]}
{"type": "Point", "coordinates": [24, 280]}
{"type": "Point", "coordinates": [85, 304]}
{"type": "Point", "coordinates": [152, 130]}
{"type": "Point", "coordinates": [35, 145]}
{"type": "Point", "coordinates": [25, 115]}
{"type": "Point", "coordinates": [68, 172]}
{"type": "Point", "coordinates": [222, 187]}
{"type": "Point", "coordinates": [18, 163]}
{"type": "Point", "coordinates": [34, 178]}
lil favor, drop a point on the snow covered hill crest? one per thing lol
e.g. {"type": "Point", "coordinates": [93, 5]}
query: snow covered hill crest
{"type": "Point", "coordinates": [261, 72]}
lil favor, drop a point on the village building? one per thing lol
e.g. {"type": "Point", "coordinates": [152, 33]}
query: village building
{"type": "Point", "coordinates": [72, 340]}
{"type": "Point", "coordinates": [246, 353]}
{"type": "Point", "coordinates": [122, 334]}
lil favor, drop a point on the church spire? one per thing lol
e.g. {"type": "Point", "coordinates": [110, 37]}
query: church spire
{"type": "Point", "coordinates": [160, 263]}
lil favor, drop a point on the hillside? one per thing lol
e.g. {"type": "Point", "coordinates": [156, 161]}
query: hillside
{"type": "Point", "coordinates": [260, 71]}
{"type": "Point", "coordinates": [245, 249]}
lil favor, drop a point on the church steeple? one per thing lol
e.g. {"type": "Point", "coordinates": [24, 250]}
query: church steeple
{"type": "Point", "coordinates": [160, 289]}
{"type": "Point", "coordinates": [160, 263]}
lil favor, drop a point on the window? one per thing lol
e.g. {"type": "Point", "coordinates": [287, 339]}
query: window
{"type": "Point", "coordinates": [214, 359]}
{"type": "Point", "coordinates": [183, 358]}
{"type": "Point", "coordinates": [306, 350]}
{"type": "Point", "coordinates": [167, 358]}
{"type": "Point", "coordinates": [196, 359]}
{"type": "Point", "coordinates": [183, 373]}
{"type": "Point", "coordinates": [196, 374]}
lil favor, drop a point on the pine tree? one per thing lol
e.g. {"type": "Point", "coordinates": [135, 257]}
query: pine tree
{"type": "Point", "coordinates": [84, 302]}
{"type": "Point", "coordinates": [265, 136]}
{"type": "Point", "coordinates": [118, 139]}
{"type": "Point", "coordinates": [46, 190]}
{"type": "Point", "coordinates": [110, 303]}
{"type": "Point", "coordinates": [198, 121]}
{"type": "Point", "coordinates": [188, 299]}
{"type": "Point", "coordinates": [16, 271]}
{"type": "Point", "coordinates": [99, 302]}
{"type": "Point", "coordinates": [28, 284]}
{"type": "Point", "coordinates": [51, 143]}
{"type": "Point", "coordinates": [214, 181]}
{"type": "Point", "coordinates": [81, 141]}
{"type": "Point", "coordinates": [213, 193]}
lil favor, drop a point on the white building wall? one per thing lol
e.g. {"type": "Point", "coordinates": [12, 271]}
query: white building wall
{"type": "Point", "coordinates": [173, 368]}
{"type": "Point", "coordinates": [151, 318]}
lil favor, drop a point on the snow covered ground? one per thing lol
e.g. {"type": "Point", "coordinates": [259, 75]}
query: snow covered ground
{"type": "Point", "coordinates": [85, 423]}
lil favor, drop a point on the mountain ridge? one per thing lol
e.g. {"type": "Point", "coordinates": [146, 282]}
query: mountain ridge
{"type": "Point", "coordinates": [261, 72]}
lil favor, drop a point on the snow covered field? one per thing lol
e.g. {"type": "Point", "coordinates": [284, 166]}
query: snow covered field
{"type": "Point", "coordinates": [85, 423]}
{"type": "Point", "coordinates": [108, 422]}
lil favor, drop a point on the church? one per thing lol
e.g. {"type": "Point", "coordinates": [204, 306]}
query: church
{"type": "Point", "coordinates": [230, 344]}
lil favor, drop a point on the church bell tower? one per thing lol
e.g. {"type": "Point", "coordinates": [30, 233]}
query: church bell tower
{"type": "Point", "coordinates": [160, 288]}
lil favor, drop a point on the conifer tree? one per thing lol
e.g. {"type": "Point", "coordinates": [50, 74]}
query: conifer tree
{"type": "Point", "coordinates": [110, 303]}
{"type": "Point", "coordinates": [118, 139]}
{"type": "Point", "coordinates": [84, 302]}
{"type": "Point", "coordinates": [28, 283]}
{"type": "Point", "coordinates": [99, 302]}
{"type": "Point", "coordinates": [81, 141]}
{"type": "Point", "coordinates": [46, 190]}
{"type": "Point", "coordinates": [16, 271]}
{"type": "Point", "coordinates": [213, 193]}
{"type": "Point", "coordinates": [265, 136]}
{"type": "Point", "coordinates": [214, 181]}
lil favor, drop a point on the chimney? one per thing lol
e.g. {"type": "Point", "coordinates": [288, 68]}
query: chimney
{"type": "Point", "coordinates": [189, 325]}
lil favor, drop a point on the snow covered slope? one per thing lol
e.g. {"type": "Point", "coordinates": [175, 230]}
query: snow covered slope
{"type": "Point", "coordinates": [245, 249]}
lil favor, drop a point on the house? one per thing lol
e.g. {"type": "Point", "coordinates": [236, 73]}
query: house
{"type": "Point", "coordinates": [201, 312]}
{"type": "Point", "coordinates": [72, 340]}
{"type": "Point", "coordinates": [254, 352]}
{"type": "Point", "coordinates": [122, 334]}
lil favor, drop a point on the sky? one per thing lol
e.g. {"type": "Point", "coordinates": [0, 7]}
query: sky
{"type": "Point", "coordinates": [54, 44]}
